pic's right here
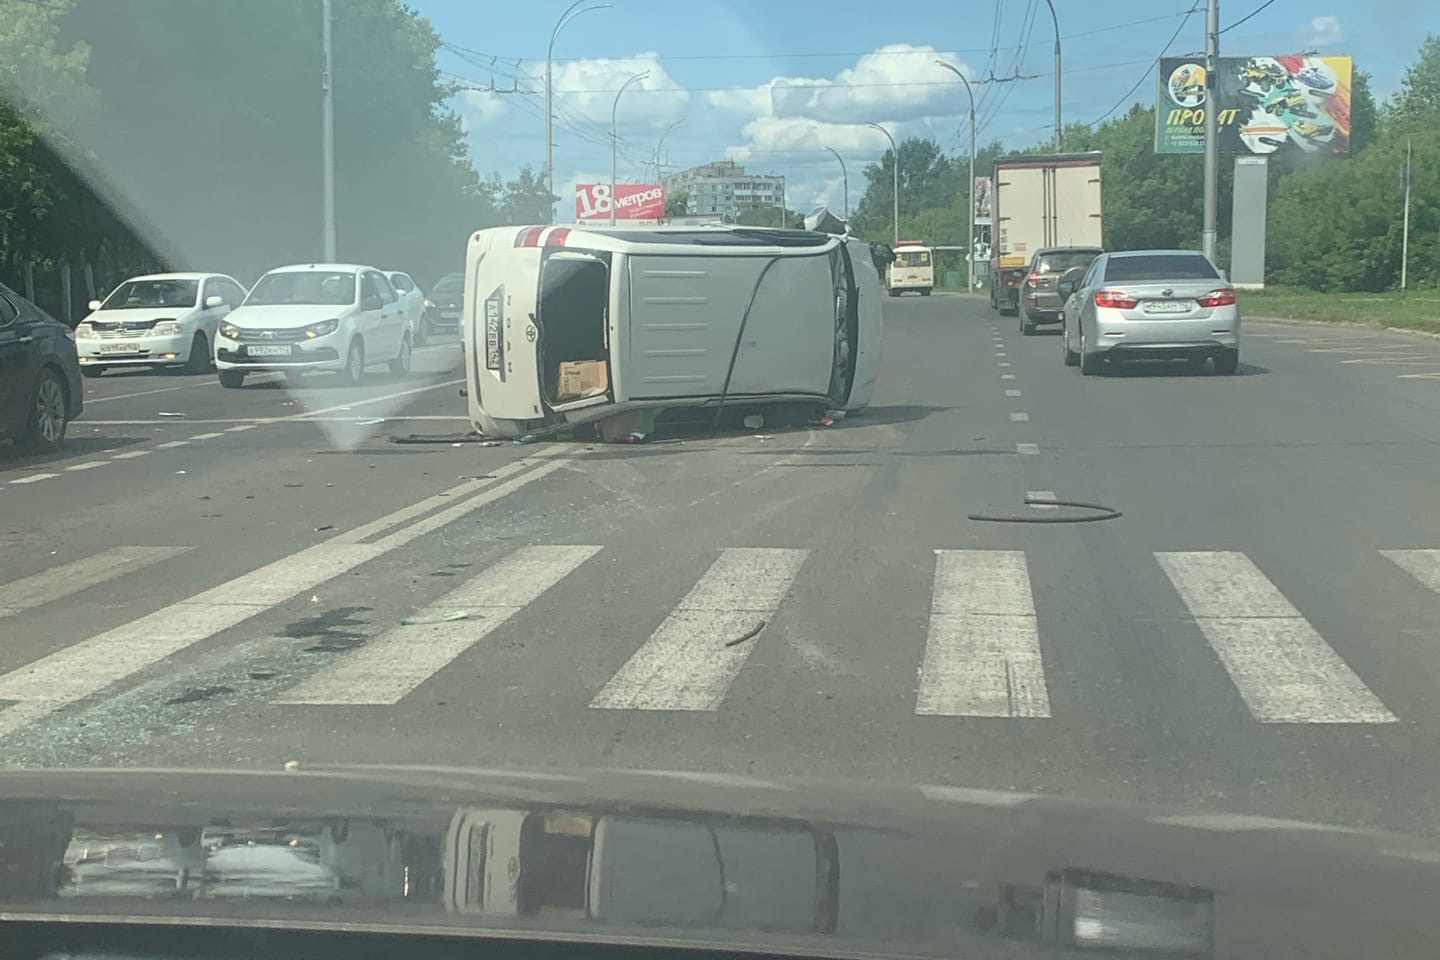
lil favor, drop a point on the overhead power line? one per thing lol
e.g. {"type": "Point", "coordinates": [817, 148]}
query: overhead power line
{"type": "Point", "coordinates": [1247, 16]}
{"type": "Point", "coordinates": [1149, 72]}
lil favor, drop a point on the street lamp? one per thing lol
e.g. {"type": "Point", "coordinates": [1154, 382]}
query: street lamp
{"type": "Point", "coordinates": [661, 142]}
{"type": "Point", "coordinates": [1059, 131]}
{"type": "Point", "coordinates": [570, 14]}
{"type": "Point", "coordinates": [844, 177]}
{"type": "Point", "coordinates": [896, 168]}
{"type": "Point", "coordinates": [615, 139]}
{"type": "Point", "coordinates": [970, 253]}
{"type": "Point", "coordinates": [327, 133]}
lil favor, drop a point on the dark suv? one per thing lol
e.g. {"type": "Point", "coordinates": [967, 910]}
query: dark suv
{"type": "Point", "coordinates": [40, 389]}
{"type": "Point", "coordinates": [1039, 300]}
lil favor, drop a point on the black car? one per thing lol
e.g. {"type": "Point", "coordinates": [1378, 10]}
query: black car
{"type": "Point", "coordinates": [40, 391]}
{"type": "Point", "coordinates": [1040, 302]}
{"type": "Point", "coordinates": [448, 297]}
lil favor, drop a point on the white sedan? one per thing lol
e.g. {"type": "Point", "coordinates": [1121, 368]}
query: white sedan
{"type": "Point", "coordinates": [164, 319]}
{"type": "Point", "coordinates": [335, 317]}
{"type": "Point", "coordinates": [414, 302]}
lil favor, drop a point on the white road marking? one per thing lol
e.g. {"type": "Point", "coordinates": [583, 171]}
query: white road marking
{"type": "Point", "coordinates": [999, 353]}
{"type": "Point", "coordinates": [206, 436]}
{"type": "Point", "coordinates": [1007, 376]}
{"type": "Point", "coordinates": [132, 454]}
{"type": "Point", "coordinates": [1029, 449]}
{"type": "Point", "coordinates": [1284, 670]}
{"type": "Point", "coordinates": [388, 668]}
{"type": "Point", "coordinates": [1003, 363]}
{"type": "Point", "coordinates": [982, 654]}
{"type": "Point", "coordinates": [172, 444]}
{"type": "Point", "coordinates": [88, 667]}
{"type": "Point", "coordinates": [50, 585]}
{"type": "Point", "coordinates": [1423, 565]}
{"type": "Point", "coordinates": [35, 478]}
{"type": "Point", "coordinates": [309, 414]}
{"type": "Point", "coordinates": [256, 378]}
{"type": "Point", "coordinates": [1012, 393]}
{"type": "Point", "coordinates": [1041, 495]}
{"type": "Point", "coordinates": [1020, 417]}
{"type": "Point", "coordinates": [241, 427]}
{"type": "Point", "coordinates": [686, 665]}
{"type": "Point", "coordinates": [87, 465]}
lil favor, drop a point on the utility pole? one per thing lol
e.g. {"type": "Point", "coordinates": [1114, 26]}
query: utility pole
{"type": "Point", "coordinates": [327, 130]}
{"type": "Point", "coordinates": [570, 14]}
{"type": "Point", "coordinates": [660, 143]}
{"type": "Point", "coordinates": [970, 190]}
{"type": "Point", "coordinates": [895, 168]}
{"type": "Point", "coordinates": [1059, 130]}
{"type": "Point", "coordinates": [615, 137]}
{"type": "Point", "coordinates": [845, 178]}
{"type": "Point", "coordinates": [1405, 231]}
{"type": "Point", "coordinates": [1212, 125]}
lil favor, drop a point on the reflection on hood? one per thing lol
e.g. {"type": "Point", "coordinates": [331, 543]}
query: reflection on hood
{"type": "Point", "coordinates": [933, 872]}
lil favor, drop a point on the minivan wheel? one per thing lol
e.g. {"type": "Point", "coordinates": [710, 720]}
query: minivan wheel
{"type": "Point", "coordinates": [1227, 362]}
{"type": "Point", "coordinates": [45, 430]}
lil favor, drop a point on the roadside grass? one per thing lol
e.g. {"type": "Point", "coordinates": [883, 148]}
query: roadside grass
{"type": "Point", "coordinates": [1417, 310]}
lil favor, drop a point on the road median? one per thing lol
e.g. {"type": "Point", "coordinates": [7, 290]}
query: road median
{"type": "Point", "coordinates": [1416, 312]}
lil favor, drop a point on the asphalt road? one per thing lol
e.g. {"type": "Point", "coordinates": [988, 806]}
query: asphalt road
{"type": "Point", "coordinates": [267, 576]}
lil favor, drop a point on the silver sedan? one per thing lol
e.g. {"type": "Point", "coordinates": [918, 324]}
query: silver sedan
{"type": "Point", "coordinates": [1150, 304]}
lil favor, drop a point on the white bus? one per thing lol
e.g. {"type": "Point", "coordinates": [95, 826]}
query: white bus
{"type": "Point", "coordinates": [583, 324]}
{"type": "Point", "coordinates": [912, 269]}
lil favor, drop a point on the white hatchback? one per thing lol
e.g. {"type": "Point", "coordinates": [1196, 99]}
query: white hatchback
{"type": "Point", "coordinates": [321, 316]}
{"type": "Point", "coordinates": [164, 319]}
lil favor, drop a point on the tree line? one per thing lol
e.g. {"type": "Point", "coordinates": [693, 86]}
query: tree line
{"type": "Point", "coordinates": [186, 134]}
{"type": "Point", "coordinates": [1334, 222]}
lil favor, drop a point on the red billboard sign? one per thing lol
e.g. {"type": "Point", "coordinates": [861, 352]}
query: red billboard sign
{"type": "Point", "coordinates": [632, 201]}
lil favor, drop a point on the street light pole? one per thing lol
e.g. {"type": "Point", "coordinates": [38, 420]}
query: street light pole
{"type": "Point", "coordinates": [1212, 130]}
{"type": "Point", "coordinates": [845, 178]}
{"type": "Point", "coordinates": [895, 151]}
{"type": "Point", "coordinates": [660, 143]}
{"type": "Point", "coordinates": [570, 14]}
{"type": "Point", "coordinates": [970, 252]}
{"type": "Point", "coordinates": [615, 138]}
{"type": "Point", "coordinates": [1059, 130]}
{"type": "Point", "coordinates": [327, 132]}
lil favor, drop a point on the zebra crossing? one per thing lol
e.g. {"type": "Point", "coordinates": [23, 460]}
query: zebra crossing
{"type": "Point", "coordinates": [981, 654]}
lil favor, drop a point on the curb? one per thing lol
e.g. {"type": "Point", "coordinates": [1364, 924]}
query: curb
{"type": "Point", "coordinates": [1351, 324]}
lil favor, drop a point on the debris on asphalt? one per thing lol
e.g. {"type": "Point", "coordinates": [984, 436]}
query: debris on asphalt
{"type": "Point", "coordinates": [835, 414]}
{"type": "Point", "coordinates": [179, 473]}
{"type": "Point", "coordinates": [825, 422]}
{"type": "Point", "coordinates": [636, 436]}
{"type": "Point", "coordinates": [762, 437]}
{"type": "Point", "coordinates": [314, 598]}
{"type": "Point", "coordinates": [492, 443]}
{"type": "Point", "coordinates": [454, 439]}
{"type": "Point", "coordinates": [369, 423]}
{"type": "Point", "coordinates": [750, 634]}
{"type": "Point", "coordinates": [264, 674]}
{"type": "Point", "coordinates": [754, 422]}
{"type": "Point", "coordinates": [292, 485]}
{"type": "Point", "coordinates": [528, 438]}
{"type": "Point", "coordinates": [291, 766]}
{"type": "Point", "coordinates": [168, 413]}
{"type": "Point", "coordinates": [449, 616]}
{"type": "Point", "coordinates": [324, 527]}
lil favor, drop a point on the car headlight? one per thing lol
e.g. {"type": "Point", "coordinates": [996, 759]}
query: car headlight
{"type": "Point", "coordinates": [165, 328]}
{"type": "Point", "coordinates": [85, 331]}
{"type": "Point", "coordinates": [229, 331]}
{"type": "Point", "coordinates": [428, 304]}
{"type": "Point", "coordinates": [321, 329]}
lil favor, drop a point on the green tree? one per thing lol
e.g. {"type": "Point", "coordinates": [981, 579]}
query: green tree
{"type": "Point", "coordinates": [1418, 102]}
{"type": "Point", "coordinates": [769, 216]}
{"type": "Point", "coordinates": [677, 204]}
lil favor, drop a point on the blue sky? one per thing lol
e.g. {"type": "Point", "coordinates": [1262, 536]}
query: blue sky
{"type": "Point", "coordinates": [771, 83]}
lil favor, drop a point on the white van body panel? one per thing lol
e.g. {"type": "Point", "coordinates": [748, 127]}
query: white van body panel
{"type": "Point", "coordinates": [666, 309]}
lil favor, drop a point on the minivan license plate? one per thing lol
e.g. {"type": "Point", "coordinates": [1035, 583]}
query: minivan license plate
{"type": "Point", "coordinates": [1167, 306]}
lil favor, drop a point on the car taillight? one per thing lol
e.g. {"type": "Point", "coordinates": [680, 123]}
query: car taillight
{"type": "Point", "coordinates": [1221, 297]}
{"type": "Point", "coordinates": [1032, 280]}
{"type": "Point", "coordinates": [1115, 299]}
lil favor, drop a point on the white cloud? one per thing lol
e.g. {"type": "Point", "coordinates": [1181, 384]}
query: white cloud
{"type": "Point", "coordinates": [1322, 31]}
{"type": "Point", "coordinates": [479, 108]}
{"type": "Point", "coordinates": [899, 81]}
{"type": "Point", "coordinates": [585, 91]}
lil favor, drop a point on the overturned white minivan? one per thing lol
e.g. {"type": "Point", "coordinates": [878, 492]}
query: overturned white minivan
{"type": "Point", "coordinates": [576, 325]}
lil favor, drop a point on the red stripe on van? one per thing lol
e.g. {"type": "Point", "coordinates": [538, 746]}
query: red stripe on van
{"type": "Point", "coordinates": [557, 237]}
{"type": "Point", "coordinates": [528, 237]}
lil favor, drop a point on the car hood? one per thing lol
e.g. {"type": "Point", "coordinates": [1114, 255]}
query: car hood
{"type": "Point", "coordinates": [710, 860]}
{"type": "Point", "coordinates": [284, 316]}
{"type": "Point", "coordinates": [139, 315]}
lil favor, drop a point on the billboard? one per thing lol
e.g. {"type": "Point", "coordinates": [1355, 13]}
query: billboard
{"type": "Point", "coordinates": [983, 216]}
{"type": "Point", "coordinates": [632, 201]}
{"type": "Point", "coordinates": [1264, 104]}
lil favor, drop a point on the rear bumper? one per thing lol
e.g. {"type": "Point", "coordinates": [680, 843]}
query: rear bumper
{"type": "Point", "coordinates": [1164, 338]}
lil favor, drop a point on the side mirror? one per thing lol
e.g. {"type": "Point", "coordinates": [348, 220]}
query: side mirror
{"type": "Point", "coordinates": [93, 305]}
{"type": "Point", "coordinates": [212, 302]}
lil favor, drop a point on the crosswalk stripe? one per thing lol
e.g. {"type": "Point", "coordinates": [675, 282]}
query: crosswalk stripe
{"type": "Point", "coordinates": [390, 667]}
{"type": "Point", "coordinates": [86, 668]}
{"type": "Point", "coordinates": [1283, 668]}
{"type": "Point", "coordinates": [68, 578]}
{"type": "Point", "coordinates": [982, 653]}
{"type": "Point", "coordinates": [1423, 565]}
{"type": "Point", "coordinates": [689, 661]}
